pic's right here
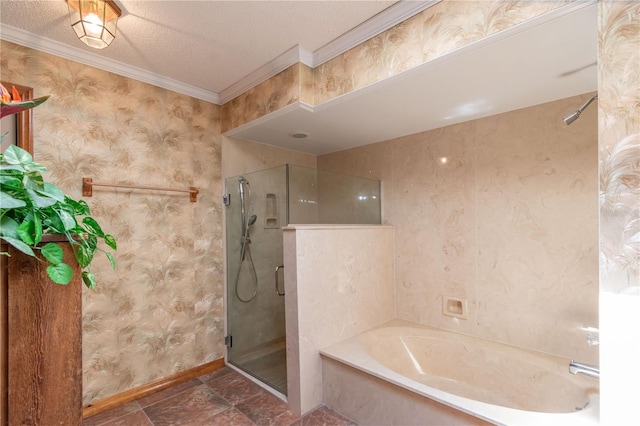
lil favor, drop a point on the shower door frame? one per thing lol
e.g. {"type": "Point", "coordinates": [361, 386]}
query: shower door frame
{"type": "Point", "coordinates": [239, 351]}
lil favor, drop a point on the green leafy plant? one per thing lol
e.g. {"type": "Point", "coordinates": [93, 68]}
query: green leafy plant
{"type": "Point", "coordinates": [31, 208]}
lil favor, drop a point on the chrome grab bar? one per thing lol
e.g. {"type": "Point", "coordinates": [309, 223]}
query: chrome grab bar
{"type": "Point", "coordinates": [277, 286]}
{"type": "Point", "coordinates": [589, 370]}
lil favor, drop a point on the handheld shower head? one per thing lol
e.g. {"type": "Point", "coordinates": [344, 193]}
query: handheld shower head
{"type": "Point", "coordinates": [252, 219]}
{"type": "Point", "coordinates": [574, 115]}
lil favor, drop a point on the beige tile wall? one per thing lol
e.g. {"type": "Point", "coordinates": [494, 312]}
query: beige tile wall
{"type": "Point", "coordinates": [501, 212]}
{"type": "Point", "coordinates": [339, 282]}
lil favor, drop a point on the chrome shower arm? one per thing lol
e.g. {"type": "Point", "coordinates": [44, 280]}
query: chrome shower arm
{"type": "Point", "coordinates": [586, 104]}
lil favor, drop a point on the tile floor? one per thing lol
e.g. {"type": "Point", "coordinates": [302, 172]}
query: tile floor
{"type": "Point", "coordinates": [223, 397]}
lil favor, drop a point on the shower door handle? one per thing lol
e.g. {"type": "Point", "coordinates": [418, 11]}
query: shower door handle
{"type": "Point", "coordinates": [277, 285]}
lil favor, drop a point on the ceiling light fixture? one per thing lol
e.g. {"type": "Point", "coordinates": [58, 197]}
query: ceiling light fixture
{"type": "Point", "coordinates": [94, 21]}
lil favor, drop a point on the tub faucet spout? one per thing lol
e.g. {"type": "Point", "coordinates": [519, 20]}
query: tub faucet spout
{"type": "Point", "coordinates": [589, 370]}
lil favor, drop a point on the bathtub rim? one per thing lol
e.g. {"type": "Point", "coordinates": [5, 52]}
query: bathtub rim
{"type": "Point", "coordinates": [344, 351]}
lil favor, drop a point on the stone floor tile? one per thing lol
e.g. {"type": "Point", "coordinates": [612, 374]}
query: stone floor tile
{"type": "Point", "coordinates": [266, 409]}
{"type": "Point", "coordinates": [196, 406]}
{"type": "Point", "coordinates": [235, 388]}
{"type": "Point", "coordinates": [137, 418]}
{"type": "Point", "coordinates": [168, 393]}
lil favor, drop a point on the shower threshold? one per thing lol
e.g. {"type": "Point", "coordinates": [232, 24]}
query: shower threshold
{"type": "Point", "coordinates": [267, 364]}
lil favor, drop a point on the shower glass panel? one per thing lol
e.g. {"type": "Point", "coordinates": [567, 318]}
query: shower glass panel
{"type": "Point", "coordinates": [317, 196]}
{"type": "Point", "coordinates": [255, 313]}
{"type": "Point", "coordinates": [261, 203]}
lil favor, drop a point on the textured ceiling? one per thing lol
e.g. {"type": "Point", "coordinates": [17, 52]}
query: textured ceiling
{"type": "Point", "coordinates": [207, 44]}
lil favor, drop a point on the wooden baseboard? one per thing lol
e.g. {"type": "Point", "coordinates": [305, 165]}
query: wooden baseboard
{"type": "Point", "coordinates": [148, 389]}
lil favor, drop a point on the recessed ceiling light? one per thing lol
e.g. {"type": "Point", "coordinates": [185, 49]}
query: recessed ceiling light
{"type": "Point", "coordinates": [299, 135]}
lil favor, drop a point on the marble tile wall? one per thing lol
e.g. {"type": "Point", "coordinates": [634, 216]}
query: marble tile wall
{"type": "Point", "coordinates": [161, 311]}
{"type": "Point", "coordinates": [339, 282]}
{"type": "Point", "coordinates": [501, 212]}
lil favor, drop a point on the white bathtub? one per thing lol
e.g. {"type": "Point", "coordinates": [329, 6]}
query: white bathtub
{"type": "Point", "coordinates": [490, 381]}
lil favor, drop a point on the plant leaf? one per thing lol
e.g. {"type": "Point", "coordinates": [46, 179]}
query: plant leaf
{"type": "Point", "coordinates": [52, 191]}
{"type": "Point", "coordinates": [111, 259]}
{"type": "Point", "coordinates": [35, 168]}
{"type": "Point", "coordinates": [68, 221]}
{"type": "Point", "coordinates": [11, 183]}
{"type": "Point", "coordinates": [8, 227]}
{"type": "Point", "coordinates": [17, 167]}
{"type": "Point", "coordinates": [84, 255]}
{"type": "Point", "coordinates": [26, 231]}
{"type": "Point", "coordinates": [20, 245]}
{"type": "Point", "coordinates": [80, 207]}
{"type": "Point", "coordinates": [93, 226]}
{"type": "Point", "coordinates": [8, 202]}
{"type": "Point", "coordinates": [92, 242]}
{"type": "Point", "coordinates": [37, 228]}
{"type": "Point", "coordinates": [33, 180]}
{"type": "Point", "coordinates": [60, 273]}
{"type": "Point", "coordinates": [89, 279]}
{"type": "Point", "coordinates": [53, 253]}
{"type": "Point", "coordinates": [54, 224]}
{"type": "Point", "coordinates": [110, 241]}
{"type": "Point", "coordinates": [41, 201]}
{"type": "Point", "coordinates": [15, 155]}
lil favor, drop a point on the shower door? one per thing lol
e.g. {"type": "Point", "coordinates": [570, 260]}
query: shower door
{"type": "Point", "coordinates": [255, 311]}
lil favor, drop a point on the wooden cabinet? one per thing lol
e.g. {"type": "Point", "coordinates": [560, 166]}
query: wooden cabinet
{"type": "Point", "coordinates": [44, 344]}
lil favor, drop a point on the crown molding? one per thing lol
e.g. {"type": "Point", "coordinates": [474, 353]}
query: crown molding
{"type": "Point", "coordinates": [290, 57]}
{"type": "Point", "coordinates": [43, 44]}
{"type": "Point", "coordinates": [384, 20]}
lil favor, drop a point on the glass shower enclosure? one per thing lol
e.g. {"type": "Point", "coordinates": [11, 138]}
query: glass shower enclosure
{"type": "Point", "coordinates": [259, 205]}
